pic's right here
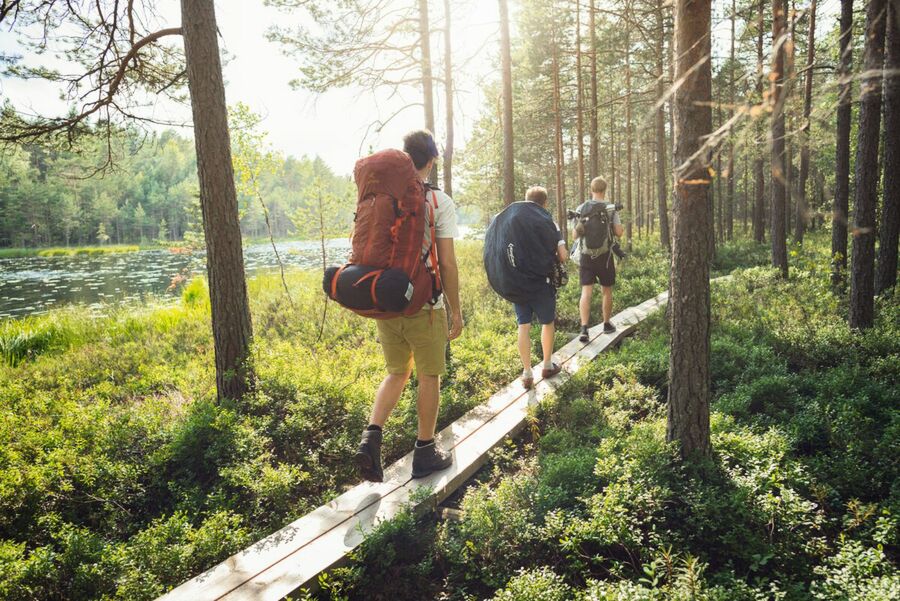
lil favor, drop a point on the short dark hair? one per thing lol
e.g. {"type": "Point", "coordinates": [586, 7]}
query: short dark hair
{"type": "Point", "coordinates": [420, 146]}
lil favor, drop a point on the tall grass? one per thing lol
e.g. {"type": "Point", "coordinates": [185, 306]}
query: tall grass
{"type": "Point", "coordinates": [15, 253]}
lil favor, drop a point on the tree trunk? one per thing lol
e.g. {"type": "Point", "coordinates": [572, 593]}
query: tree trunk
{"type": "Point", "coordinates": [759, 207]}
{"type": "Point", "coordinates": [232, 328]}
{"type": "Point", "coordinates": [802, 204]}
{"type": "Point", "coordinates": [729, 203]}
{"type": "Point", "coordinates": [427, 79]}
{"type": "Point", "coordinates": [689, 299]}
{"type": "Point", "coordinates": [579, 101]}
{"type": "Point", "coordinates": [639, 201]}
{"type": "Point", "coordinates": [448, 89]}
{"type": "Point", "coordinates": [720, 199]}
{"type": "Point", "coordinates": [779, 172]}
{"type": "Point", "coordinates": [560, 182]}
{"type": "Point", "coordinates": [595, 146]}
{"type": "Point", "coordinates": [862, 277]}
{"type": "Point", "coordinates": [840, 214]}
{"type": "Point", "coordinates": [628, 200]}
{"type": "Point", "coordinates": [661, 192]}
{"type": "Point", "coordinates": [613, 158]}
{"type": "Point", "coordinates": [886, 271]}
{"type": "Point", "coordinates": [509, 192]}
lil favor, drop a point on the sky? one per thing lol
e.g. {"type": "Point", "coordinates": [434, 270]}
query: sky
{"type": "Point", "coordinates": [336, 125]}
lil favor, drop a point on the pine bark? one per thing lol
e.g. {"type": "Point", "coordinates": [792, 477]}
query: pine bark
{"type": "Point", "coordinates": [759, 206]}
{"type": "Point", "coordinates": [509, 192]}
{"type": "Point", "coordinates": [729, 202]}
{"type": "Point", "coordinates": [802, 204]}
{"type": "Point", "coordinates": [628, 200]}
{"type": "Point", "coordinates": [427, 78]}
{"type": "Point", "coordinates": [448, 100]}
{"type": "Point", "coordinates": [689, 298]}
{"type": "Point", "coordinates": [862, 270]}
{"type": "Point", "coordinates": [594, 143]}
{"type": "Point", "coordinates": [230, 307]}
{"type": "Point", "coordinates": [886, 267]}
{"type": "Point", "coordinates": [661, 168]}
{"type": "Point", "coordinates": [841, 211]}
{"type": "Point", "coordinates": [560, 156]}
{"type": "Point", "coordinates": [579, 101]}
{"type": "Point", "coordinates": [779, 168]}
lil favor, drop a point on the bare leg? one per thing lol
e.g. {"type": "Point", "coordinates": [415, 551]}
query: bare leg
{"type": "Point", "coordinates": [387, 396]}
{"type": "Point", "coordinates": [547, 331]}
{"type": "Point", "coordinates": [607, 303]}
{"type": "Point", "coordinates": [427, 405]}
{"type": "Point", "coordinates": [525, 346]}
{"type": "Point", "coordinates": [584, 305]}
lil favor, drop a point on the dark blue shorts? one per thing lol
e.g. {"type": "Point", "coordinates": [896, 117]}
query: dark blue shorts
{"type": "Point", "coordinates": [543, 304]}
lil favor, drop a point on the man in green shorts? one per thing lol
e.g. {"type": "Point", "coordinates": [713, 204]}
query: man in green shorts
{"type": "Point", "coordinates": [420, 339]}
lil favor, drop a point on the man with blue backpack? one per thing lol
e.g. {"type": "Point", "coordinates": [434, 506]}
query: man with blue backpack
{"type": "Point", "coordinates": [597, 225]}
{"type": "Point", "coordinates": [522, 248]}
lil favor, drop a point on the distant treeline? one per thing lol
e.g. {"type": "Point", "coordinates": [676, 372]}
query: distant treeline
{"type": "Point", "coordinates": [148, 194]}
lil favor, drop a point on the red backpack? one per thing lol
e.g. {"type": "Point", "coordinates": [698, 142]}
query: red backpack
{"type": "Point", "coordinates": [387, 275]}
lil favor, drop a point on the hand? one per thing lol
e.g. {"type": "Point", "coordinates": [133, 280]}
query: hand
{"type": "Point", "coordinates": [456, 325]}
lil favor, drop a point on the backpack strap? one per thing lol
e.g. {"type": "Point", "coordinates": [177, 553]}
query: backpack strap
{"type": "Point", "coordinates": [434, 253]}
{"type": "Point", "coordinates": [334, 282]}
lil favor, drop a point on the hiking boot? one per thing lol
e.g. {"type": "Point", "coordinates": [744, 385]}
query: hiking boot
{"type": "Point", "coordinates": [429, 459]}
{"type": "Point", "coordinates": [608, 327]}
{"type": "Point", "coordinates": [584, 334]}
{"type": "Point", "coordinates": [368, 456]}
{"type": "Point", "coordinates": [549, 372]}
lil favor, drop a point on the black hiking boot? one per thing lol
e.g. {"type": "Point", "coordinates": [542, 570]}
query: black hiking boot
{"type": "Point", "coordinates": [368, 456]}
{"type": "Point", "coordinates": [429, 459]}
{"type": "Point", "coordinates": [584, 334]}
{"type": "Point", "coordinates": [608, 327]}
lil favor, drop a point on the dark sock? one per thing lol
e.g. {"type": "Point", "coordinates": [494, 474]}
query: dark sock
{"type": "Point", "coordinates": [373, 427]}
{"type": "Point", "coordinates": [424, 443]}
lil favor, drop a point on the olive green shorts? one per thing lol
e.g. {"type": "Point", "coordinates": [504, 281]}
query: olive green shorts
{"type": "Point", "coordinates": [421, 338]}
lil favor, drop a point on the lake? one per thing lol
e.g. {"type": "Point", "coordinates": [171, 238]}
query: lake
{"type": "Point", "coordinates": [33, 285]}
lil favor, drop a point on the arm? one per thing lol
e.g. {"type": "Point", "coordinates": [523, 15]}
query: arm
{"type": "Point", "coordinates": [618, 230]}
{"type": "Point", "coordinates": [450, 280]}
{"type": "Point", "coordinates": [562, 253]}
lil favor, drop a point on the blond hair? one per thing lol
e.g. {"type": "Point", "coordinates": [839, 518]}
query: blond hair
{"type": "Point", "coordinates": [537, 194]}
{"type": "Point", "coordinates": [598, 185]}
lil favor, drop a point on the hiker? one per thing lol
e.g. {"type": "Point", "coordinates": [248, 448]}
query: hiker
{"type": "Point", "coordinates": [523, 250]}
{"type": "Point", "coordinates": [420, 338]}
{"type": "Point", "coordinates": [542, 303]}
{"type": "Point", "coordinates": [596, 227]}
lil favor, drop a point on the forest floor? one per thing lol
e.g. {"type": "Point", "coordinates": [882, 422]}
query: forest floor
{"type": "Point", "coordinates": [121, 476]}
{"type": "Point", "coordinates": [799, 500]}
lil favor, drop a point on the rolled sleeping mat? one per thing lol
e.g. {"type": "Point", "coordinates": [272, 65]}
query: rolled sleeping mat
{"type": "Point", "coordinates": [364, 288]}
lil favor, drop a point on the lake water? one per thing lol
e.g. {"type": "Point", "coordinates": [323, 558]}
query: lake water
{"type": "Point", "coordinates": [36, 284]}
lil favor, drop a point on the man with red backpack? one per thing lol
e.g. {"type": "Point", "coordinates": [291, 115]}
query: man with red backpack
{"type": "Point", "coordinates": [420, 338]}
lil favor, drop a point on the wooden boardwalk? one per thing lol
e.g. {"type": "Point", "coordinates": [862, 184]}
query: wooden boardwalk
{"type": "Point", "coordinates": [294, 556]}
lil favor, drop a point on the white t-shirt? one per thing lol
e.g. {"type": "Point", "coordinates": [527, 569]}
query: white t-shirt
{"type": "Point", "coordinates": [445, 225]}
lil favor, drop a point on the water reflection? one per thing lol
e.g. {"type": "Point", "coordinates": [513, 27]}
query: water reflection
{"type": "Point", "coordinates": [36, 284]}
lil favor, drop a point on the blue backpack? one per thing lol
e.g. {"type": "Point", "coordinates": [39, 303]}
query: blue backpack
{"type": "Point", "coordinates": [520, 251]}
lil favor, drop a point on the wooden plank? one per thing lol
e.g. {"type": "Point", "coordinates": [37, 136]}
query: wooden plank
{"type": "Point", "coordinates": [293, 557]}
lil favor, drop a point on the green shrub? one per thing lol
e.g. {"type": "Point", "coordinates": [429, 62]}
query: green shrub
{"type": "Point", "coordinates": [539, 584]}
{"type": "Point", "coordinates": [498, 534]}
{"type": "Point", "coordinates": [857, 573]}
